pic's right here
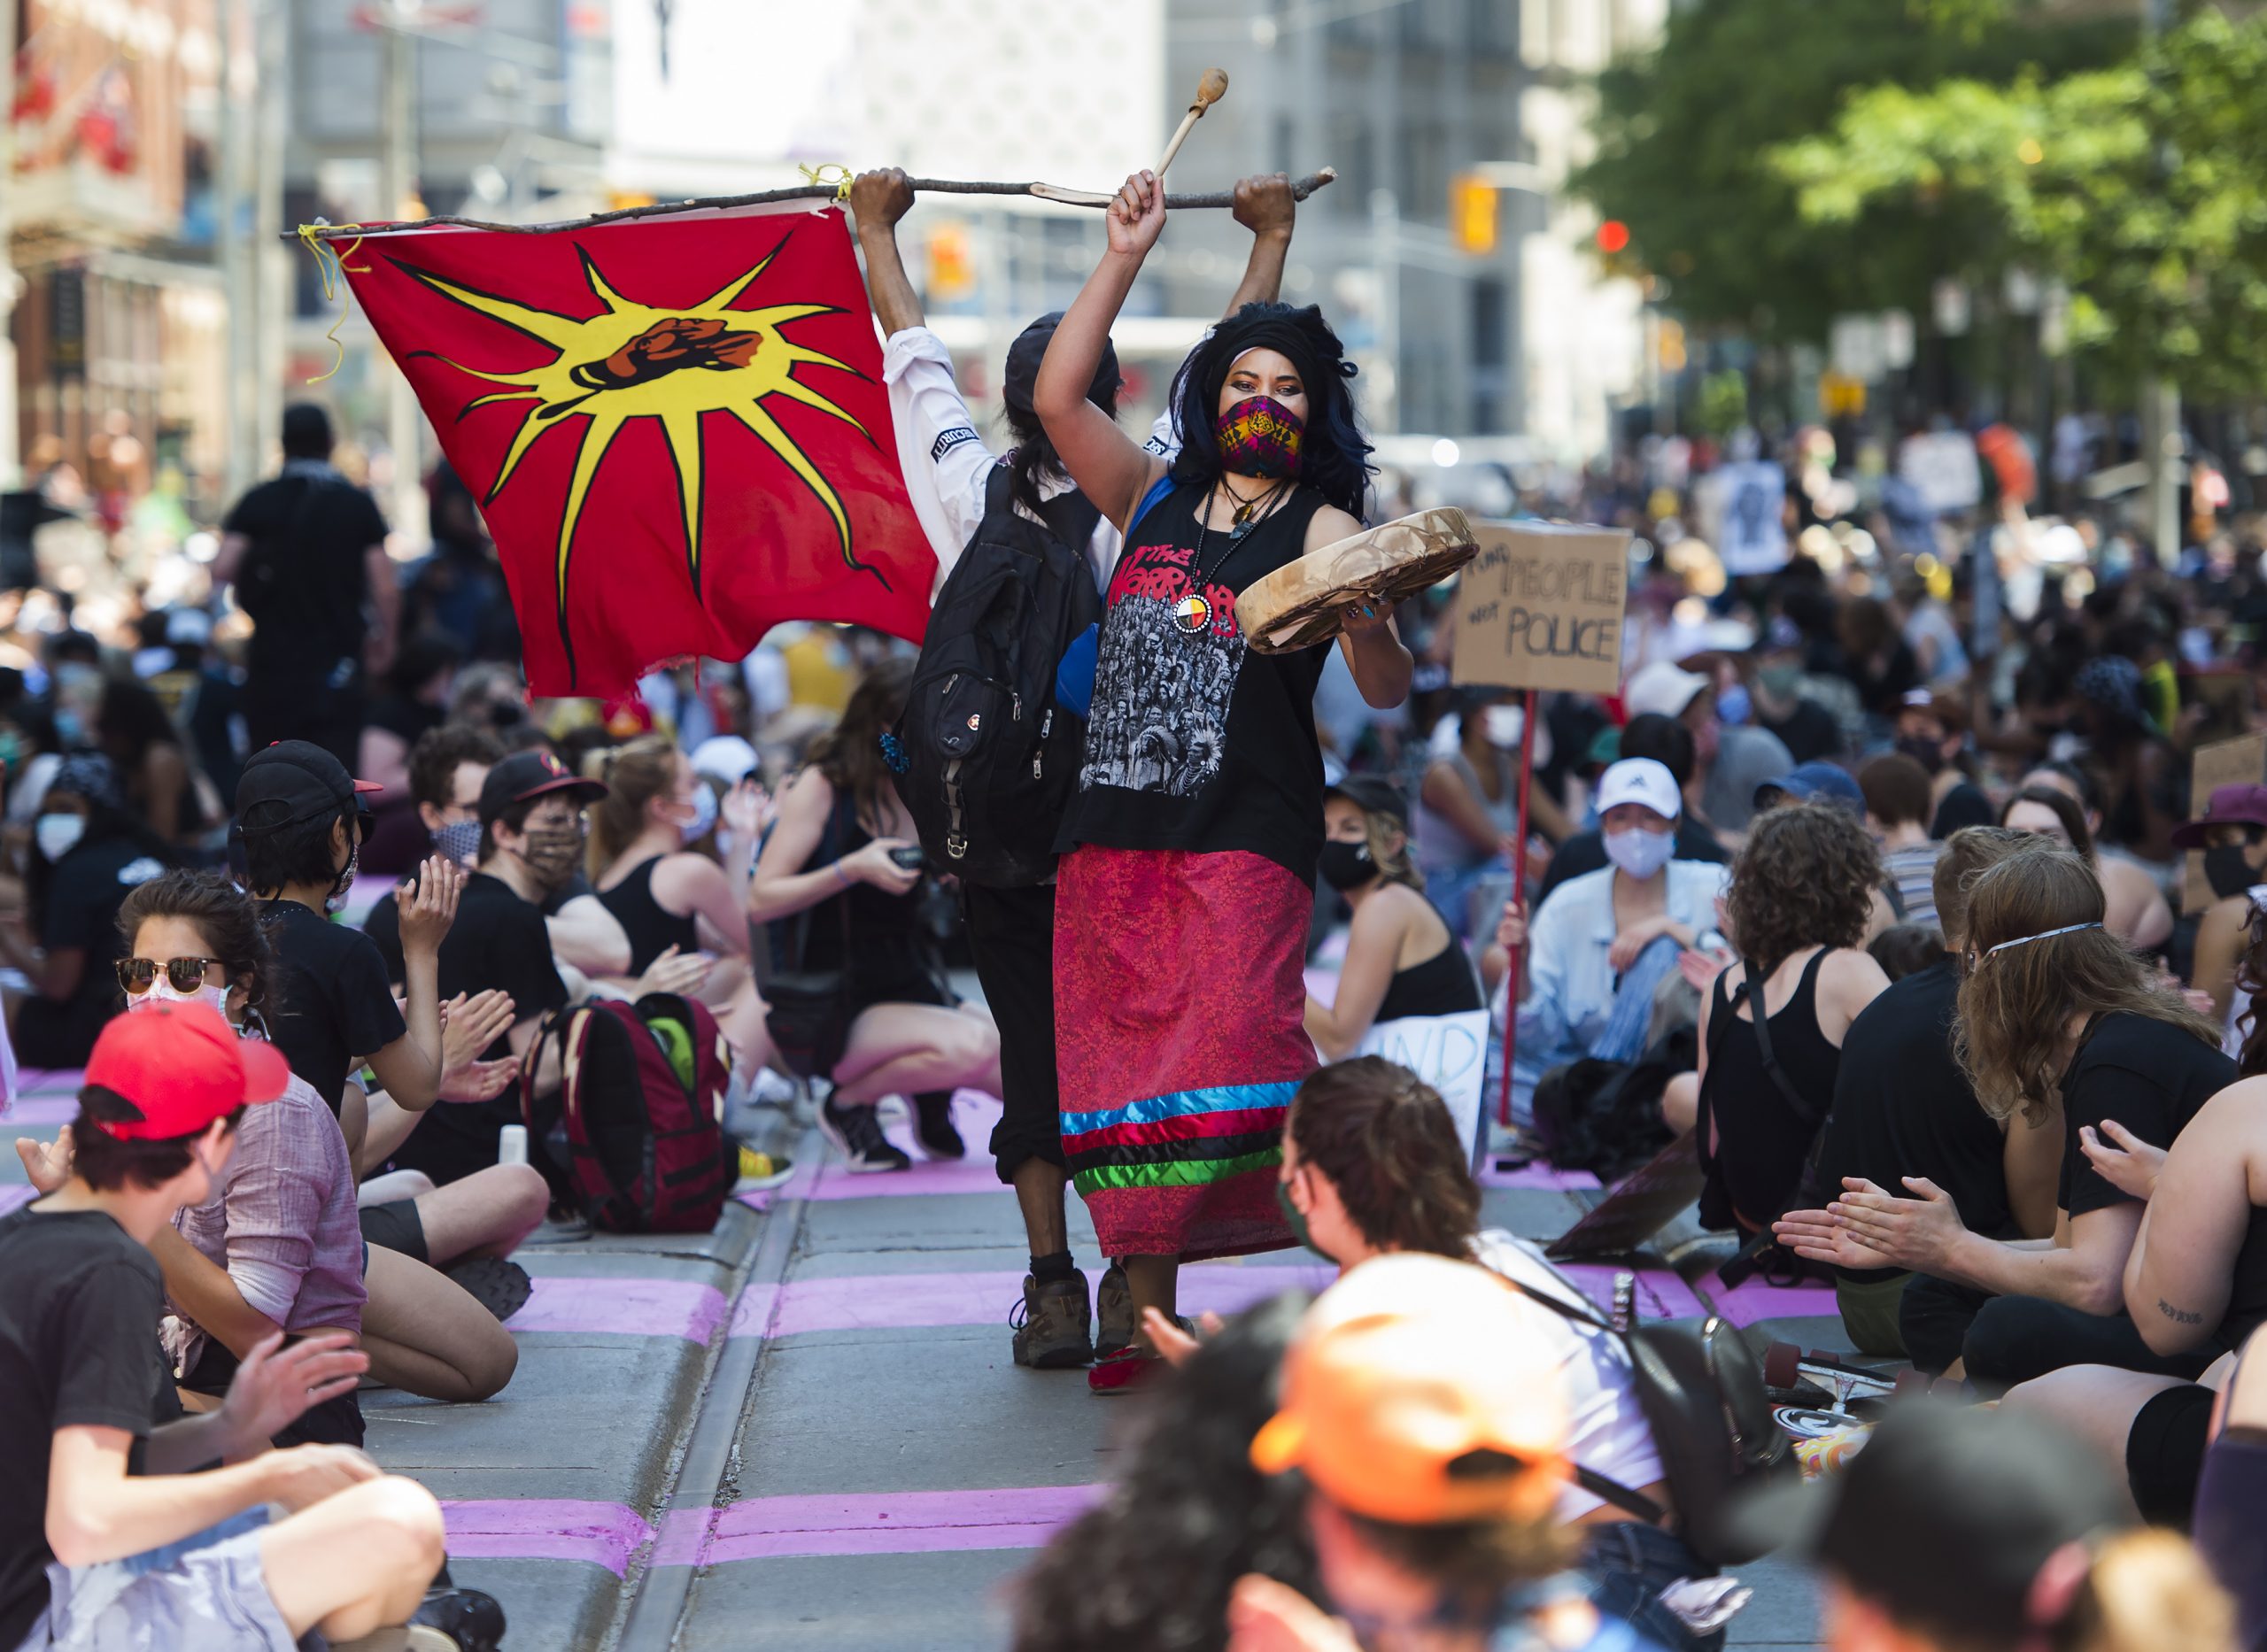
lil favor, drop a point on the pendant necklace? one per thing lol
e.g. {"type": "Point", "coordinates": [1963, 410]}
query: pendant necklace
{"type": "Point", "coordinates": [1193, 612]}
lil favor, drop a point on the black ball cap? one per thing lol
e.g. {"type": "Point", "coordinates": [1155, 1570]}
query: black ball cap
{"type": "Point", "coordinates": [525, 776]}
{"type": "Point", "coordinates": [1030, 349]}
{"type": "Point", "coordinates": [1374, 793]}
{"type": "Point", "coordinates": [291, 783]}
{"type": "Point", "coordinates": [1946, 1517]}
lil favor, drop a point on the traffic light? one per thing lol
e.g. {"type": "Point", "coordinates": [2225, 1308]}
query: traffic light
{"type": "Point", "coordinates": [952, 268]}
{"type": "Point", "coordinates": [1473, 222]}
{"type": "Point", "coordinates": [1612, 236]}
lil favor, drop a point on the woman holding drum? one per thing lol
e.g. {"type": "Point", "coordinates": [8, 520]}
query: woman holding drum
{"type": "Point", "coordinates": [1188, 874]}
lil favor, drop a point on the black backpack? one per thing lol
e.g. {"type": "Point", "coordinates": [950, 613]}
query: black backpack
{"type": "Point", "coordinates": [1703, 1392]}
{"type": "Point", "coordinates": [990, 758]}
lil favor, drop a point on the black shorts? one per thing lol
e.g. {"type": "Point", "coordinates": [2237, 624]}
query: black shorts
{"type": "Point", "coordinates": [337, 1421]}
{"type": "Point", "coordinates": [395, 1226]}
{"type": "Point", "coordinates": [2165, 1454]}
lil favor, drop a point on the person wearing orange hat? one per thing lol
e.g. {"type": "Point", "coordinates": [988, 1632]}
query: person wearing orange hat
{"type": "Point", "coordinates": [1432, 1433]}
{"type": "Point", "coordinates": [90, 1476]}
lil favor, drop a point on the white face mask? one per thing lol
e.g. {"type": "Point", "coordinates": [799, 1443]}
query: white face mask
{"type": "Point", "coordinates": [57, 835]}
{"type": "Point", "coordinates": [1502, 725]}
{"type": "Point", "coordinates": [704, 815]}
{"type": "Point", "coordinates": [161, 992]}
{"type": "Point", "coordinates": [1640, 852]}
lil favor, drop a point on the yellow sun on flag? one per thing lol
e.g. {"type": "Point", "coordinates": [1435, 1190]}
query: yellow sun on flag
{"type": "Point", "coordinates": [674, 364]}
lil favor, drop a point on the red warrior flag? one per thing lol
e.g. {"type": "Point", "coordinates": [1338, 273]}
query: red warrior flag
{"type": "Point", "coordinates": [676, 427]}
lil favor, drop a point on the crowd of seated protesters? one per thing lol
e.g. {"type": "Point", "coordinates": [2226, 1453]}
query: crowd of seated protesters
{"type": "Point", "coordinates": [2138, 912]}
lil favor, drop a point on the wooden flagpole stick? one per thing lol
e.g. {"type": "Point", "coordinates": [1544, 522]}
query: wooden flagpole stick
{"type": "Point", "coordinates": [1210, 91]}
{"type": "Point", "coordinates": [1519, 896]}
{"type": "Point", "coordinates": [1300, 191]}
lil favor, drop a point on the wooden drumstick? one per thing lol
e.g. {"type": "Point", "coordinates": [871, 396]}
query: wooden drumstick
{"type": "Point", "coordinates": [1210, 91]}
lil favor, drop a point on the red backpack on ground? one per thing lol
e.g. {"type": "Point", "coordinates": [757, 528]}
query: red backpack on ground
{"type": "Point", "coordinates": [632, 1136]}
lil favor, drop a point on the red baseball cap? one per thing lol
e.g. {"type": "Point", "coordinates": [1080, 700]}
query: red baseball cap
{"type": "Point", "coordinates": [183, 1066]}
{"type": "Point", "coordinates": [2239, 805]}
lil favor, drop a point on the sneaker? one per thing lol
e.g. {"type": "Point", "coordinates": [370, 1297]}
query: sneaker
{"type": "Point", "coordinates": [472, 1621]}
{"type": "Point", "coordinates": [763, 1170]}
{"type": "Point", "coordinates": [935, 1131]}
{"type": "Point", "coordinates": [1125, 1372]}
{"type": "Point", "coordinates": [562, 1226]}
{"type": "Point", "coordinates": [1114, 1309]}
{"type": "Point", "coordinates": [1051, 1324]}
{"type": "Point", "coordinates": [857, 1136]}
{"type": "Point", "coordinates": [447, 1620]}
{"type": "Point", "coordinates": [500, 1285]}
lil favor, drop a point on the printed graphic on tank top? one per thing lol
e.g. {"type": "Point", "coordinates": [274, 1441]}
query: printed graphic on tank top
{"type": "Point", "coordinates": [1194, 741]}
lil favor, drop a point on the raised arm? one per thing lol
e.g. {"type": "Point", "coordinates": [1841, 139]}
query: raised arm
{"type": "Point", "coordinates": [1266, 206]}
{"type": "Point", "coordinates": [1109, 467]}
{"type": "Point", "coordinates": [877, 200]}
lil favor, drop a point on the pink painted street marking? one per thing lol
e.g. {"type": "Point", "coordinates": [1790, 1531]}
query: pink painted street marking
{"type": "Point", "coordinates": [1757, 1300]}
{"type": "Point", "coordinates": [617, 1307]}
{"type": "Point", "coordinates": [1542, 1177]}
{"type": "Point", "coordinates": [872, 1523]}
{"type": "Point", "coordinates": [30, 1111]}
{"type": "Point", "coordinates": [602, 1535]}
{"type": "Point", "coordinates": [13, 1195]}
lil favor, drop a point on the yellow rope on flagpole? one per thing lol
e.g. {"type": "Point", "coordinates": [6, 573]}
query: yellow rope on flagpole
{"type": "Point", "coordinates": [819, 176]}
{"type": "Point", "coordinates": [331, 263]}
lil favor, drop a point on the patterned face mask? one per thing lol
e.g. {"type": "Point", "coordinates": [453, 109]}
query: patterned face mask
{"type": "Point", "coordinates": [1260, 436]}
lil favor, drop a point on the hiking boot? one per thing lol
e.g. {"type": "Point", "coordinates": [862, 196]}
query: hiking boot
{"type": "Point", "coordinates": [500, 1286]}
{"type": "Point", "coordinates": [1051, 1324]}
{"type": "Point", "coordinates": [934, 1128]}
{"type": "Point", "coordinates": [1114, 1311]}
{"type": "Point", "coordinates": [857, 1136]}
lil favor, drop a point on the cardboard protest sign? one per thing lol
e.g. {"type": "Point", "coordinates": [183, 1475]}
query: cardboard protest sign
{"type": "Point", "coordinates": [1744, 504]}
{"type": "Point", "coordinates": [2242, 761]}
{"type": "Point", "coordinates": [1449, 1053]}
{"type": "Point", "coordinates": [1541, 607]}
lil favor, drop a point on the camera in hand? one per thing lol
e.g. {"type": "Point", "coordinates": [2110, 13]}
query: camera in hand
{"type": "Point", "coordinates": [909, 857]}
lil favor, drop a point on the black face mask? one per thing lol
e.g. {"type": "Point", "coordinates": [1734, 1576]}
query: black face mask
{"type": "Point", "coordinates": [1347, 865]}
{"type": "Point", "coordinates": [2227, 871]}
{"type": "Point", "coordinates": [1929, 753]}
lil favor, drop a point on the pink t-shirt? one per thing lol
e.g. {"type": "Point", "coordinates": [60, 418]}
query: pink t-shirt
{"type": "Point", "coordinates": [282, 1224]}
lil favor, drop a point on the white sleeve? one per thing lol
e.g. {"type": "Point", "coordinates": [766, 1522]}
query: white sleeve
{"type": "Point", "coordinates": [938, 449]}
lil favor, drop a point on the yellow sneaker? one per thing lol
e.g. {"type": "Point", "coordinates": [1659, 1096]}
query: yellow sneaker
{"type": "Point", "coordinates": [763, 1170]}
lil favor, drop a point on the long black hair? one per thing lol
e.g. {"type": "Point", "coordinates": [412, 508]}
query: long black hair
{"type": "Point", "coordinates": [1033, 456]}
{"type": "Point", "coordinates": [1333, 457]}
{"type": "Point", "coordinates": [1149, 1568]}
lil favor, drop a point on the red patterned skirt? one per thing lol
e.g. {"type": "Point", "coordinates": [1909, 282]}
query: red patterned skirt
{"type": "Point", "coordinates": [1181, 1035]}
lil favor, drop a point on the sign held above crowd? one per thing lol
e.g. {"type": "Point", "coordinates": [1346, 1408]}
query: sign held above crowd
{"type": "Point", "coordinates": [1541, 605]}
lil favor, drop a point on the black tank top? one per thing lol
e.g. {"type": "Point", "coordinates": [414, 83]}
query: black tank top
{"type": "Point", "coordinates": [652, 928]}
{"type": "Point", "coordinates": [1761, 1142]}
{"type": "Point", "coordinates": [878, 938]}
{"type": "Point", "coordinates": [2248, 1300]}
{"type": "Point", "coordinates": [1194, 742]}
{"type": "Point", "coordinates": [1441, 985]}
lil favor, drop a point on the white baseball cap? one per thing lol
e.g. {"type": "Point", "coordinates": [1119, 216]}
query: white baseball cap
{"type": "Point", "coordinates": [1642, 780]}
{"type": "Point", "coordinates": [1661, 687]}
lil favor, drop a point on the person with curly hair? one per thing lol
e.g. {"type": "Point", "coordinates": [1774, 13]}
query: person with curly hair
{"type": "Point", "coordinates": [1800, 901]}
{"type": "Point", "coordinates": [2054, 1013]}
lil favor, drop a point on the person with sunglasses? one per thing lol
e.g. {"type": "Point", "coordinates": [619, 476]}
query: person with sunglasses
{"type": "Point", "coordinates": [300, 815]}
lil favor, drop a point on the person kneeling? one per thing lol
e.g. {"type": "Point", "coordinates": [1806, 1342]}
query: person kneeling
{"type": "Point", "coordinates": [103, 1533]}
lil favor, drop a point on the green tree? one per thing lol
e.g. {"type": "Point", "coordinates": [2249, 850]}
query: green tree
{"type": "Point", "coordinates": [1688, 131]}
{"type": "Point", "coordinates": [2142, 187]}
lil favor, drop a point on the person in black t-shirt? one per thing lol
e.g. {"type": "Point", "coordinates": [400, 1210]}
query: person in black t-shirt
{"type": "Point", "coordinates": [86, 853]}
{"type": "Point", "coordinates": [88, 1472]}
{"type": "Point", "coordinates": [2052, 1009]}
{"type": "Point", "coordinates": [531, 834]}
{"type": "Point", "coordinates": [414, 703]}
{"type": "Point", "coordinates": [307, 554]}
{"type": "Point", "coordinates": [1903, 1106]}
{"type": "Point", "coordinates": [298, 809]}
